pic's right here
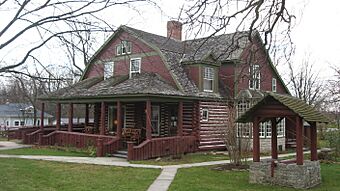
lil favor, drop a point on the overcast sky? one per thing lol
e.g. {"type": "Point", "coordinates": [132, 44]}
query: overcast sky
{"type": "Point", "coordinates": [316, 30]}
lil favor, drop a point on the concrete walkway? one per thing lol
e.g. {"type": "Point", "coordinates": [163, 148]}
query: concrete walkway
{"type": "Point", "coordinates": [161, 183]}
{"type": "Point", "coordinates": [6, 145]}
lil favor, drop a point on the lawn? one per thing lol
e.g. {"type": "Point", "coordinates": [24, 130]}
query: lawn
{"type": "Point", "coordinates": [187, 158]}
{"type": "Point", "coordinates": [203, 178]}
{"type": "Point", "coordinates": [49, 151]}
{"type": "Point", "coordinates": [29, 175]}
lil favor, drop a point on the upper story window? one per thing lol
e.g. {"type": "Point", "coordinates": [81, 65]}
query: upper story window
{"type": "Point", "coordinates": [208, 79]}
{"type": "Point", "coordinates": [108, 69]}
{"type": "Point", "coordinates": [135, 66]}
{"type": "Point", "coordinates": [274, 84]}
{"type": "Point", "coordinates": [254, 77]}
{"type": "Point", "coordinates": [123, 48]}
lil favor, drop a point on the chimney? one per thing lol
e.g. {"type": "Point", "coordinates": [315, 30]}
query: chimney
{"type": "Point", "coordinates": [174, 29]}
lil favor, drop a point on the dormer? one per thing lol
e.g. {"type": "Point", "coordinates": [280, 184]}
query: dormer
{"type": "Point", "coordinates": [204, 73]}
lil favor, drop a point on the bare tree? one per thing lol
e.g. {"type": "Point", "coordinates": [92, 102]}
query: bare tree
{"type": "Point", "coordinates": [220, 16]}
{"type": "Point", "coordinates": [238, 147]}
{"type": "Point", "coordinates": [306, 84]}
{"type": "Point", "coordinates": [334, 87]}
{"type": "Point", "coordinates": [52, 19]}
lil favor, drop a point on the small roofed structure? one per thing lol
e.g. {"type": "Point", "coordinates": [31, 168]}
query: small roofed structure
{"type": "Point", "coordinates": [297, 173]}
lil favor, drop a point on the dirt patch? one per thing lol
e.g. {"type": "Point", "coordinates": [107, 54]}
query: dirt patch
{"type": "Point", "coordinates": [231, 167]}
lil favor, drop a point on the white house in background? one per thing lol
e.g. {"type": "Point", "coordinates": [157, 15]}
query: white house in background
{"type": "Point", "coordinates": [20, 115]}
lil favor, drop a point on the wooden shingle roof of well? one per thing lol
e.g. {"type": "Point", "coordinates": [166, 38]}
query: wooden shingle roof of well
{"type": "Point", "coordinates": [298, 106]}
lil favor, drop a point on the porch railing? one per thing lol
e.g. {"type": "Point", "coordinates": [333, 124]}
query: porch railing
{"type": "Point", "coordinates": [103, 144]}
{"type": "Point", "coordinates": [164, 146]}
{"type": "Point", "coordinates": [20, 132]}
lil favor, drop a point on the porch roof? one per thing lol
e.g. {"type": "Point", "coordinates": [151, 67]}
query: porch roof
{"type": "Point", "coordinates": [119, 86]}
{"type": "Point", "coordinates": [299, 107]}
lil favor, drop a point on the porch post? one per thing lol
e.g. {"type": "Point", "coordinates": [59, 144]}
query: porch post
{"type": "Point", "coordinates": [299, 141]}
{"type": "Point", "coordinates": [148, 120]}
{"type": "Point", "coordinates": [313, 145]}
{"type": "Point", "coordinates": [58, 111]}
{"type": "Point", "coordinates": [180, 119]}
{"type": "Point", "coordinates": [119, 119]}
{"type": "Point", "coordinates": [70, 118]}
{"type": "Point", "coordinates": [102, 119]}
{"type": "Point", "coordinates": [274, 138]}
{"type": "Point", "coordinates": [42, 116]}
{"type": "Point", "coordinates": [86, 114]}
{"type": "Point", "coordinates": [256, 140]}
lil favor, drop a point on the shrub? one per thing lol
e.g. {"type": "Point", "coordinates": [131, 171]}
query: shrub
{"type": "Point", "coordinates": [333, 138]}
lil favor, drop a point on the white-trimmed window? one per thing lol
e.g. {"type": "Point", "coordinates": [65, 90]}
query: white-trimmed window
{"type": "Point", "coordinates": [254, 77]}
{"type": "Point", "coordinates": [281, 128]}
{"type": "Point", "coordinates": [266, 129]}
{"type": "Point", "coordinates": [208, 79]}
{"type": "Point", "coordinates": [155, 119]}
{"type": "Point", "coordinates": [7, 123]}
{"type": "Point", "coordinates": [205, 114]}
{"type": "Point", "coordinates": [135, 66]}
{"type": "Point", "coordinates": [263, 129]}
{"type": "Point", "coordinates": [123, 48]}
{"type": "Point", "coordinates": [108, 69]}
{"type": "Point", "coordinates": [273, 84]}
{"type": "Point", "coordinates": [16, 123]}
{"type": "Point", "coordinates": [243, 129]}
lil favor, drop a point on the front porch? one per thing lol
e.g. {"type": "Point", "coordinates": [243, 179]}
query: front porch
{"type": "Point", "coordinates": [144, 128]}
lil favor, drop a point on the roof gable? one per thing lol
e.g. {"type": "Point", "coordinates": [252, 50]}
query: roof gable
{"type": "Point", "coordinates": [297, 106]}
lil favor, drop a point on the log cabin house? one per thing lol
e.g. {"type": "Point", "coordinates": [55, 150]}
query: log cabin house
{"type": "Point", "coordinates": [155, 96]}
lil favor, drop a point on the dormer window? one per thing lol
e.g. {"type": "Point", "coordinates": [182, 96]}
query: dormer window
{"type": "Point", "coordinates": [135, 66]}
{"type": "Point", "coordinates": [123, 48]}
{"type": "Point", "coordinates": [254, 77]}
{"type": "Point", "coordinates": [208, 79]}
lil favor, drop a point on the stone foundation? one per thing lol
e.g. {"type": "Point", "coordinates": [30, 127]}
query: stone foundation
{"type": "Point", "coordinates": [290, 175]}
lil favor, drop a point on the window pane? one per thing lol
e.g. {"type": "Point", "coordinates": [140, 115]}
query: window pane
{"type": "Point", "coordinates": [108, 69]}
{"type": "Point", "coordinates": [135, 65]}
{"type": "Point", "coordinates": [207, 84]}
{"type": "Point", "coordinates": [208, 73]}
{"type": "Point", "coordinates": [208, 79]}
{"type": "Point", "coordinates": [119, 49]}
{"type": "Point", "coordinates": [155, 119]}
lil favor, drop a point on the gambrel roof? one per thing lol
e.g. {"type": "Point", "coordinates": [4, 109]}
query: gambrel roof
{"type": "Point", "coordinates": [175, 54]}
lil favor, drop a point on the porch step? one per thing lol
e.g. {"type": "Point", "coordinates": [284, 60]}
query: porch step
{"type": "Point", "coordinates": [120, 154]}
{"type": "Point", "coordinates": [291, 143]}
{"type": "Point", "coordinates": [212, 147]}
{"type": "Point", "coordinates": [204, 139]}
{"type": "Point", "coordinates": [210, 142]}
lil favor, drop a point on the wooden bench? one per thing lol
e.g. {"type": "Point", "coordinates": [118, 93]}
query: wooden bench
{"type": "Point", "coordinates": [130, 134]}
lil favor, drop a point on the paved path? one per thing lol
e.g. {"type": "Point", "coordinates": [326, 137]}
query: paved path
{"type": "Point", "coordinates": [161, 183]}
{"type": "Point", "coordinates": [6, 145]}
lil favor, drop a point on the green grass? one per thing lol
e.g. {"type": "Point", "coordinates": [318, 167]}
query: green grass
{"type": "Point", "coordinates": [203, 178]}
{"type": "Point", "coordinates": [187, 158]}
{"type": "Point", "coordinates": [30, 175]}
{"type": "Point", "coordinates": [323, 144]}
{"type": "Point", "coordinates": [49, 151]}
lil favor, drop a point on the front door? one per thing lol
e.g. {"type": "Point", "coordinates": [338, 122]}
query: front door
{"type": "Point", "coordinates": [112, 119]}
